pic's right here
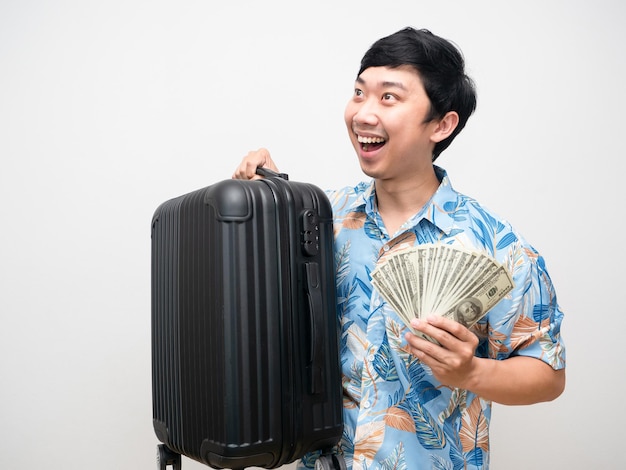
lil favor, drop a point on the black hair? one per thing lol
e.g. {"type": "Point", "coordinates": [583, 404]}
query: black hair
{"type": "Point", "coordinates": [441, 67]}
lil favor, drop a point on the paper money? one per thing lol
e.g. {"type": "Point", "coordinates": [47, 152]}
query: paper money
{"type": "Point", "coordinates": [438, 279]}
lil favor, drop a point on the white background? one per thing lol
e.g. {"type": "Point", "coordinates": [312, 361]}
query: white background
{"type": "Point", "coordinates": [109, 108]}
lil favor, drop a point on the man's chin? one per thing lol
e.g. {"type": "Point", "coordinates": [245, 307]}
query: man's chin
{"type": "Point", "coordinates": [369, 171]}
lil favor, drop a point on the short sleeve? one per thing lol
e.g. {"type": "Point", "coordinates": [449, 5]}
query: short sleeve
{"type": "Point", "coordinates": [528, 321]}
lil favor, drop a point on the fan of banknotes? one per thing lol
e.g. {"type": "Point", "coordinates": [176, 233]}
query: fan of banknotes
{"type": "Point", "coordinates": [438, 279]}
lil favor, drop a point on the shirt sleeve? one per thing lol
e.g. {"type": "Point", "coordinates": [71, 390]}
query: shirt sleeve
{"type": "Point", "coordinates": [528, 321]}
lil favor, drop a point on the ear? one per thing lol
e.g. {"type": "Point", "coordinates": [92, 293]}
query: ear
{"type": "Point", "coordinates": [445, 126]}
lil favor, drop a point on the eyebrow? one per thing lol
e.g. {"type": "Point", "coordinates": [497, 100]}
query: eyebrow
{"type": "Point", "coordinates": [384, 84]}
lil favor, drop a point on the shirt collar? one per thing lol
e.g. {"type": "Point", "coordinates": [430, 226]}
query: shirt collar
{"type": "Point", "coordinates": [439, 210]}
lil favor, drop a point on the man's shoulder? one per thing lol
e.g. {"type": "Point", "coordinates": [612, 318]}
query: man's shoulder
{"type": "Point", "coordinates": [349, 198]}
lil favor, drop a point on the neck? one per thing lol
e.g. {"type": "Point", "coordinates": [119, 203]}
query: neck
{"type": "Point", "coordinates": [400, 200]}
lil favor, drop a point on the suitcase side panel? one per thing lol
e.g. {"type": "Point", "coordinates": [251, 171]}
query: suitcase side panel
{"type": "Point", "coordinates": [248, 395]}
{"type": "Point", "coordinates": [210, 349]}
{"type": "Point", "coordinates": [164, 323]}
{"type": "Point", "coordinates": [318, 421]}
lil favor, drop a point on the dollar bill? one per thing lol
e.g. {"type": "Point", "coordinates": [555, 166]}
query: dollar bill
{"type": "Point", "coordinates": [442, 280]}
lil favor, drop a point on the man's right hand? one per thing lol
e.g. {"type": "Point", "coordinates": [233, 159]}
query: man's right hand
{"type": "Point", "coordinates": [255, 159]}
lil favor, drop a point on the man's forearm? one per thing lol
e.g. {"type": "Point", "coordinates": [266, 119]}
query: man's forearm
{"type": "Point", "coordinates": [518, 380]}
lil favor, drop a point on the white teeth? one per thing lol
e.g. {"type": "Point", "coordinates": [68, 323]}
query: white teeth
{"type": "Point", "coordinates": [370, 140]}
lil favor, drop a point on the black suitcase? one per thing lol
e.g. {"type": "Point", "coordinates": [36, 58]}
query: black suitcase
{"type": "Point", "coordinates": [245, 361]}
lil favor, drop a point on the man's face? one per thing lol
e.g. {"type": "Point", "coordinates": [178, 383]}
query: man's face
{"type": "Point", "coordinates": [386, 123]}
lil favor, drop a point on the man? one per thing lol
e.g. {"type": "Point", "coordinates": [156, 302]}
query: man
{"type": "Point", "coordinates": [408, 402]}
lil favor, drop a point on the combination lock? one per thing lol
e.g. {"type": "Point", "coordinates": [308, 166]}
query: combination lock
{"type": "Point", "coordinates": [310, 233]}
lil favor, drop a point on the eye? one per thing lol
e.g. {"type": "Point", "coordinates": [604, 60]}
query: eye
{"type": "Point", "coordinates": [388, 97]}
{"type": "Point", "coordinates": [358, 92]}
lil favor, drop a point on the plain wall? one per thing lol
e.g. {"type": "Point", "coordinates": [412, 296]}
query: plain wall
{"type": "Point", "coordinates": [109, 108]}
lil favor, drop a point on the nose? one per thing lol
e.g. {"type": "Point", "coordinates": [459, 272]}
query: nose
{"type": "Point", "coordinates": [365, 113]}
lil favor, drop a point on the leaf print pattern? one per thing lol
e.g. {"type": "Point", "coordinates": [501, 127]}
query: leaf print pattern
{"type": "Point", "coordinates": [354, 221]}
{"type": "Point", "coordinates": [371, 229]}
{"type": "Point", "coordinates": [438, 463]}
{"type": "Point", "coordinates": [342, 263]}
{"type": "Point", "coordinates": [395, 332]}
{"type": "Point", "coordinates": [396, 460]}
{"type": "Point", "coordinates": [368, 439]}
{"type": "Point", "coordinates": [482, 235]}
{"type": "Point", "coordinates": [426, 391]}
{"type": "Point", "coordinates": [506, 241]}
{"type": "Point", "coordinates": [416, 371]}
{"type": "Point", "coordinates": [399, 418]}
{"type": "Point", "coordinates": [357, 341]}
{"type": "Point", "coordinates": [428, 432]}
{"type": "Point", "coordinates": [456, 403]}
{"type": "Point", "coordinates": [383, 363]}
{"type": "Point", "coordinates": [427, 233]}
{"type": "Point", "coordinates": [517, 257]}
{"type": "Point", "coordinates": [525, 332]}
{"type": "Point", "coordinates": [474, 429]}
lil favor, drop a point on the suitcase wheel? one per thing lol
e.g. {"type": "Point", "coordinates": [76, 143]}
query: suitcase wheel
{"type": "Point", "coordinates": [340, 463]}
{"type": "Point", "coordinates": [330, 462]}
{"type": "Point", "coordinates": [323, 463]}
{"type": "Point", "coordinates": [167, 457]}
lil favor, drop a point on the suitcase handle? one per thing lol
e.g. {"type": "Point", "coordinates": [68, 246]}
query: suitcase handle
{"type": "Point", "coordinates": [267, 173]}
{"type": "Point", "coordinates": [316, 310]}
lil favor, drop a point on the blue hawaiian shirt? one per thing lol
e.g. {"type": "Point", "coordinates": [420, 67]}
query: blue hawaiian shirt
{"type": "Point", "coordinates": [396, 414]}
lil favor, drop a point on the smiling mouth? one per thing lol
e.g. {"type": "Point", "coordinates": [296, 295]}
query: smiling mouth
{"type": "Point", "coordinates": [370, 143]}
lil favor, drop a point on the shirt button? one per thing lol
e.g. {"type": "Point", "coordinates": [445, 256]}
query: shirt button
{"type": "Point", "coordinates": [386, 248]}
{"type": "Point", "coordinates": [366, 404]}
